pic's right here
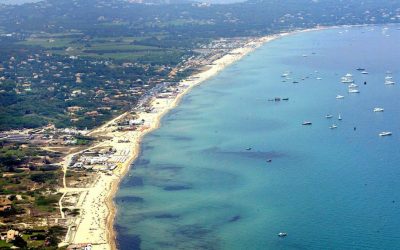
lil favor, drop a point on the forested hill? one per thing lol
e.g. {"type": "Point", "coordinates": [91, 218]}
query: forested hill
{"type": "Point", "coordinates": [118, 17]}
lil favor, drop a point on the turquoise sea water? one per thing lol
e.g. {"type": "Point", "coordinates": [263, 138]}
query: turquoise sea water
{"type": "Point", "coordinates": [195, 186]}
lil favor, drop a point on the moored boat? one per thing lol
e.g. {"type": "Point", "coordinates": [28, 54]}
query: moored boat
{"type": "Point", "coordinates": [385, 133]}
{"type": "Point", "coordinates": [348, 78]}
{"type": "Point", "coordinates": [282, 234]}
{"type": "Point", "coordinates": [378, 109]}
{"type": "Point", "coordinates": [354, 91]}
{"type": "Point", "coordinates": [353, 85]}
{"type": "Point", "coordinates": [389, 82]}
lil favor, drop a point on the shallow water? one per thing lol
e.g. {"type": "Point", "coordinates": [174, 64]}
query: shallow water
{"type": "Point", "coordinates": [195, 186]}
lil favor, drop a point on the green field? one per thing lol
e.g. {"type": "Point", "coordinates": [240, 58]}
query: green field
{"type": "Point", "coordinates": [121, 48]}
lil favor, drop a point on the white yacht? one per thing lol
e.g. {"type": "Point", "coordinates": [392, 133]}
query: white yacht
{"type": "Point", "coordinates": [282, 234]}
{"type": "Point", "coordinates": [333, 126]}
{"type": "Point", "coordinates": [353, 86]}
{"type": "Point", "coordinates": [328, 116]}
{"type": "Point", "coordinates": [354, 91]}
{"type": "Point", "coordinates": [364, 72]}
{"type": "Point", "coordinates": [378, 109]}
{"type": "Point", "coordinates": [339, 97]}
{"type": "Point", "coordinates": [389, 82]}
{"type": "Point", "coordinates": [385, 133]}
{"type": "Point", "coordinates": [348, 78]}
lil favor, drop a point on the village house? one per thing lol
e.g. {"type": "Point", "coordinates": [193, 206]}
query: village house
{"type": "Point", "coordinates": [11, 234]}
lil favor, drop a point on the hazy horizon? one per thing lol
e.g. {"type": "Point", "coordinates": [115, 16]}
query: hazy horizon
{"type": "Point", "coordinates": [17, 1]}
{"type": "Point", "coordinates": [31, 1]}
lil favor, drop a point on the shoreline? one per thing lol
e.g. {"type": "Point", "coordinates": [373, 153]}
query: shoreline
{"type": "Point", "coordinates": [226, 60]}
{"type": "Point", "coordinates": [98, 207]}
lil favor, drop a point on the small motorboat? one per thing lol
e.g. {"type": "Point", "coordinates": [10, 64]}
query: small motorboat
{"type": "Point", "coordinates": [339, 117]}
{"type": "Point", "coordinates": [352, 91]}
{"type": "Point", "coordinates": [339, 97]}
{"type": "Point", "coordinates": [333, 126]}
{"type": "Point", "coordinates": [307, 123]}
{"type": "Point", "coordinates": [248, 149]}
{"type": "Point", "coordinates": [360, 69]}
{"type": "Point", "coordinates": [285, 99]}
{"type": "Point", "coordinates": [378, 109]}
{"type": "Point", "coordinates": [385, 133]}
{"type": "Point", "coordinates": [282, 234]}
{"type": "Point", "coordinates": [328, 116]}
{"type": "Point", "coordinates": [364, 72]}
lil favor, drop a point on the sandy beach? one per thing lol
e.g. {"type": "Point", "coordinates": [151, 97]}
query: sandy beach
{"type": "Point", "coordinates": [95, 224]}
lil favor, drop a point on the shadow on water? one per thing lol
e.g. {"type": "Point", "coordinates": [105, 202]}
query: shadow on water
{"type": "Point", "coordinates": [247, 153]}
{"type": "Point", "coordinates": [167, 216]}
{"type": "Point", "coordinates": [195, 231]}
{"type": "Point", "coordinates": [134, 181]}
{"type": "Point", "coordinates": [147, 147]}
{"type": "Point", "coordinates": [168, 168]}
{"type": "Point", "coordinates": [177, 187]}
{"type": "Point", "coordinates": [127, 241]}
{"type": "Point", "coordinates": [235, 218]}
{"type": "Point", "coordinates": [129, 199]}
{"type": "Point", "coordinates": [178, 138]}
{"type": "Point", "coordinates": [195, 236]}
{"type": "Point", "coordinates": [142, 162]}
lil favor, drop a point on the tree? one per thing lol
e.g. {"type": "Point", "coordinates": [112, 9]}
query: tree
{"type": "Point", "coordinates": [19, 242]}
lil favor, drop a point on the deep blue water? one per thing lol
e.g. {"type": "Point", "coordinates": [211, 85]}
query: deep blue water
{"type": "Point", "coordinates": [195, 186]}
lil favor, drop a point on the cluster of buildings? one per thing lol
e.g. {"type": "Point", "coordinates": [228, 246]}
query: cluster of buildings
{"type": "Point", "coordinates": [49, 136]}
{"type": "Point", "coordinates": [208, 53]}
{"type": "Point", "coordinates": [104, 160]}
